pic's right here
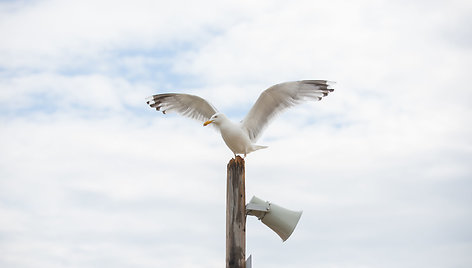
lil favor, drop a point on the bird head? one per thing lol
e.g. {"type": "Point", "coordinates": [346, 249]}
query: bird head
{"type": "Point", "coordinates": [216, 119]}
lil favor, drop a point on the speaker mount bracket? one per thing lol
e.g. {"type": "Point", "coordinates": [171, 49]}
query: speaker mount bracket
{"type": "Point", "coordinates": [257, 210]}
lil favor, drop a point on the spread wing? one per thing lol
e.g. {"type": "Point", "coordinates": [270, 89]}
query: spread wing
{"type": "Point", "coordinates": [279, 97]}
{"type": "Point", "coordinates": [185, 104]}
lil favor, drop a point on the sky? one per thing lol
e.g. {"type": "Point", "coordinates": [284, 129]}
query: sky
{"type": "Point", "coordinates": [90, 176]}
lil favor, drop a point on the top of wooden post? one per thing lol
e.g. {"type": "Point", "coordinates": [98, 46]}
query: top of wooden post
{"type": "Point", "coordinates": [237, 161]}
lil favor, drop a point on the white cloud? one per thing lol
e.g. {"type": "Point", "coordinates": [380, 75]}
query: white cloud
{"type": "Point", "coordinates": [46, 34]}
{"type": "Point", "coordinates": [90, 176]}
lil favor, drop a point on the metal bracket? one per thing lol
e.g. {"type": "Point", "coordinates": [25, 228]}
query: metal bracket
{"type": "Point", "coordinates": [257, 210]}
{"type": "Point", "coordinates": [249, 262]}
{"type": "Point", "coordinates": [254, 207]}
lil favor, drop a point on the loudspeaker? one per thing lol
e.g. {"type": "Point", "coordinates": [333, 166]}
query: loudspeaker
{"type": "Point", "coordinates": [281, 220]}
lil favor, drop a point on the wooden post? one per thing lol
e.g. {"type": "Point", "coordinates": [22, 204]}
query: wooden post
{"type": "Point", "coordinates": [235, 214]}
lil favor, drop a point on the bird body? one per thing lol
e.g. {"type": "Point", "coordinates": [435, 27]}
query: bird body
{"type": "Point", "coordinates": [234, 135]}
{"type": "Point", "coordinates": [240, 138]}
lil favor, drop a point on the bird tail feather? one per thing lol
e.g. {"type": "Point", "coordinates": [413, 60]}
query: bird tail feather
{"type": "Point", "coordinates": [258, 147]}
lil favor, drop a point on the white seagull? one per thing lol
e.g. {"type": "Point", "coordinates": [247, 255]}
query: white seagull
{"type": "Point", "coordinates": [240, 137]}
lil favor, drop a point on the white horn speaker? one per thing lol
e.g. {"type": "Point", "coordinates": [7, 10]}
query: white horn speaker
{"type": "Point", "coordinates": [281, 220]}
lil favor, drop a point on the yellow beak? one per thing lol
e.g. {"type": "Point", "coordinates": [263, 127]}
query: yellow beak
{"type": "Point", "coordinates": [207, 122]}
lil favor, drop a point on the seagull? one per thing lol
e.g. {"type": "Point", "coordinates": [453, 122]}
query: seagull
{"type": "Point", "coordinates": [241, 137]}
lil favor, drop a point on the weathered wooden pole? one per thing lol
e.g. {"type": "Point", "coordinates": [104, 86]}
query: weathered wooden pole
{"type": "Point", "coordinates": [235, 214]}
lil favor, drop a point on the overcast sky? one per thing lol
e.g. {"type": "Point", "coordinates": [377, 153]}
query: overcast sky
{"type": "Point", "coordinates": [90, 176]}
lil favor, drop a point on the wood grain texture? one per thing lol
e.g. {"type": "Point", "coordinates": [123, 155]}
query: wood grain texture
{"type": "Point", "coordinates": [236, 214]}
